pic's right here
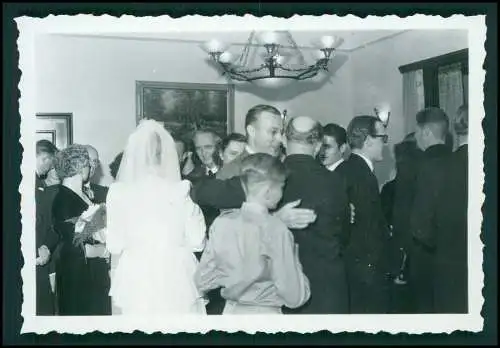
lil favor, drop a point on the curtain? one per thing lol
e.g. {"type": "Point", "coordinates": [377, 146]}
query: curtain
{"type": "Point", "coordinates": [413, 97]}
{"type": "Point", "coordinates": [466, 88]}
{"type": "Point", "coordinates": [451, 89]}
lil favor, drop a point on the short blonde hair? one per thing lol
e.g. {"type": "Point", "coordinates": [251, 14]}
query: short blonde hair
{"type": "Point", "coordinates": [261, 167]}
{"type": "Point", "coordinates": [71, 161]}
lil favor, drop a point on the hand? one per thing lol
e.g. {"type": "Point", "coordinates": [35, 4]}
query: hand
{"type": "Point", "coordinates": [107, 255]}
{"type": "Point", "coordinates": [189, 165]}
{"type": "Point", "coordinates": [43, 255]}
{"type": "Point", "coordinates": [296, 218]}
{"type": "Point", "coordinates": [352, 210]}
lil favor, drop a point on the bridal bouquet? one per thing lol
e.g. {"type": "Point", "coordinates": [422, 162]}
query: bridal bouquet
{"type": "Point", "coordinates": [90, 226]}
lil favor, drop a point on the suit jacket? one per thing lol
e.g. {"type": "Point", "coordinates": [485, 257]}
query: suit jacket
{"type": "Point", "coordinates": [369, 235]}
{"type": "Point", "coordinates": [45, 233]}
{"type": "Point", "coordinates": [100, 193]}
{"type": "Point", "coordinates": [322, 243]}
{"type": "Point", "coordinates": [404, 193]}
{"type": "Point", "coordinates": [197, 176]}
{"type": "Point", "coordinates": [450, 283]}
{"type": "Point", "coordinates": [431, 179]}
{"type": "Point", "coordinates": [387, 199]}
{"type": "Point", "coordinates": [429, 187]}
{"type": "Point", "coordinates": [44, 196]}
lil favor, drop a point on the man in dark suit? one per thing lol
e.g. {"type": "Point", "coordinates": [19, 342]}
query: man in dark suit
{"type": "Point", "coordinates": [95, 192]}
{"type": "Point", "coordinates": [398, 206]}
{"type": "Point", "coordinates": [366, 253]}
{"type": "Point", "coordinates": [46, 238]}
{"type": "Point", "coordinates": [207, 162]}
{"type": "Point", "coordinates": [98, 267]}
{"type": "Point", "coordinates": [451, 271]}
{"type": "Point", "coordinates": [431, 131]}
{"type": "Point", "coordinates": [322, 243]}
{"type": "Point", "coordinates": [202, 165]}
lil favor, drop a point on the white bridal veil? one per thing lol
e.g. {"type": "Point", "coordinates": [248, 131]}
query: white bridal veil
{"type": "Point", "coordinates": [150, 151]}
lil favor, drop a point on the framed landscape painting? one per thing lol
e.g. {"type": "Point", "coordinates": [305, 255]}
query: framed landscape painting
{"type": "Point", "coordinates": [55, 127]}
{"type": "Point", "coordinates": [186, 107]}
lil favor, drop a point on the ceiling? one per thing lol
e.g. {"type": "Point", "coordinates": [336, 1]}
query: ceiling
{"type": "Point", "coordinates": [304, 39]}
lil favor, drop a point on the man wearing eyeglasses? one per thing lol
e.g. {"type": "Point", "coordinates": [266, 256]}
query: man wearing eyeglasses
{"type": "Point", "coordinates": [366, 252]}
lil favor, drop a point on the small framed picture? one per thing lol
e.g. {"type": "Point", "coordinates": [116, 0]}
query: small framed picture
{"type": "Point", "coordinates": [55, 127]}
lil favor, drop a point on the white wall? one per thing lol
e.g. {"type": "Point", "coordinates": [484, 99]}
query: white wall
{"type": "Point", "coordinates": [377, 80]}
{"type": "Point", "coordinates": [94, 78]}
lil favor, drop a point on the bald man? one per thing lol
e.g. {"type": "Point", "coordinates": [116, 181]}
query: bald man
{"type": "Point", "coordinates": [321, 244]}
{"type": "Point", "coordinates": [96, 193]}
{"type": "Point", "coordinates": [98, 267]}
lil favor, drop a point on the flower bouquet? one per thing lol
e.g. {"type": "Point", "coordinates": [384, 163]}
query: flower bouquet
{"type": "Point", "coordinates": [90, 226]}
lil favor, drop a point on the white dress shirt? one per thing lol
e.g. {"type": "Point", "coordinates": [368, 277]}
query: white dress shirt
{"type": "Point", "coordinates": [334, 166]}
{"type": "Point", "coordinates": [249, 150]}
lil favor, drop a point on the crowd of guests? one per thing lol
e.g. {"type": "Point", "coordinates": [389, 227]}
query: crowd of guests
{"type": "Point", "coordinates": [288, 218]}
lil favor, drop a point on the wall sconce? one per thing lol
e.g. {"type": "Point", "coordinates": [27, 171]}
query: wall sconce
{"type": "Point", "coordinates": [383, 115]}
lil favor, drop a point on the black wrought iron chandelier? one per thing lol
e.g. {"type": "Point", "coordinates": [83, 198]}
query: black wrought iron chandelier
{"type": "Point", "coordinates": [277, 50]}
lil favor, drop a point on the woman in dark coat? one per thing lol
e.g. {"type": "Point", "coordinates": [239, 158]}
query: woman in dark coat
{"type": "Point", "coordinates": [74, 275]}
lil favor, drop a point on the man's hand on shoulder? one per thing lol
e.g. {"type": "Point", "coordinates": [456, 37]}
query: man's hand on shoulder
{"type": "Point", "coordinates": [295, 218]}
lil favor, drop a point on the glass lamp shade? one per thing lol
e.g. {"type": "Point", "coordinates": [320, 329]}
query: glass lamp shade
{"type": "Point", "coordinates": [268, 38]}
{"type": "Point", "coordinates": [273, 82]}
{"type": "Point", "coordinates": [214, 46]}
{"type": "Point", "coordinates": [328, 41]}
{"type": "Point", "coordinates": [226, 58]}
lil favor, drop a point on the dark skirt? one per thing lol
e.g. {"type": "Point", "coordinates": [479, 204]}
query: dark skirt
{"type": "Point", "coordinates": [82, 285]}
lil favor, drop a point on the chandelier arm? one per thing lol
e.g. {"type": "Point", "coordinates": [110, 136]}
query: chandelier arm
{"type": "Point", "coordinates": [296, 48]}
{"type": "Point", "coordinates": [240, 74]}
{"type": "Point", "coordinates": [244, 71]}
{"type": "Point", "coordinates": [296, 69]}
{"type": "Point", "coordinates": [243, 58]}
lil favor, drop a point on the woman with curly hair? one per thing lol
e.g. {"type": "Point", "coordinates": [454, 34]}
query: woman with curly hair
{"type": "Point", "coordinates": [75, 290]}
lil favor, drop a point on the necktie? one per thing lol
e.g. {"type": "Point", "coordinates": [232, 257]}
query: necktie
{"type": "Point", "coordinates": [88, 192]}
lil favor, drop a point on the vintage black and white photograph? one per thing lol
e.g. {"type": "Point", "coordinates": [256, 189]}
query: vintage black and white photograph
{"type": "Point", "coordinates": [303, 174]}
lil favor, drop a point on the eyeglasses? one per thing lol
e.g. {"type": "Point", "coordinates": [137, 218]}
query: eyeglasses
{"type": "Point", "coordinates": [385, 137]}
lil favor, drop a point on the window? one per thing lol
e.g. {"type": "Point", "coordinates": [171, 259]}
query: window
{"type": "Point", "coordinates": [441, 81]}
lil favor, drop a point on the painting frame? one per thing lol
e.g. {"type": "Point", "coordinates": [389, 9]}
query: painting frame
{"type": "Point", "coordinates": [58, 126]}
{"type": "Point", "coordinates": [228, 90]}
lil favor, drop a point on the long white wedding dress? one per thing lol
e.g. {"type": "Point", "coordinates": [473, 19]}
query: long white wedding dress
{"type": "Point", "coordinates": [153, 229]}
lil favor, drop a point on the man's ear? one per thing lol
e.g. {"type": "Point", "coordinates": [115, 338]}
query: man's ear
{"type": "Point", "coordinates": [343, 149]}
{"type": "Point", "coordinates": [250, 130]}
{"type": "Point", "coordinates": [317, 148]}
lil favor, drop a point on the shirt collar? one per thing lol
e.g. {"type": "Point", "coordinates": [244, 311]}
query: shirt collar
{"type": "Point", "coordinates": [249, 150]}
{"type": "Point", "coordinates": [367, 160]}
{"type": "Point", "coordinates": [214, 170]}
{"type": "Point", "coordinates": [334, 166]}
{"type": "Point", "coordinates": [254, 207]}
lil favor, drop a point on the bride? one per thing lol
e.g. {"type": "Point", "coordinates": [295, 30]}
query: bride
{"type": "Point", "coordinates": [153, 228]}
